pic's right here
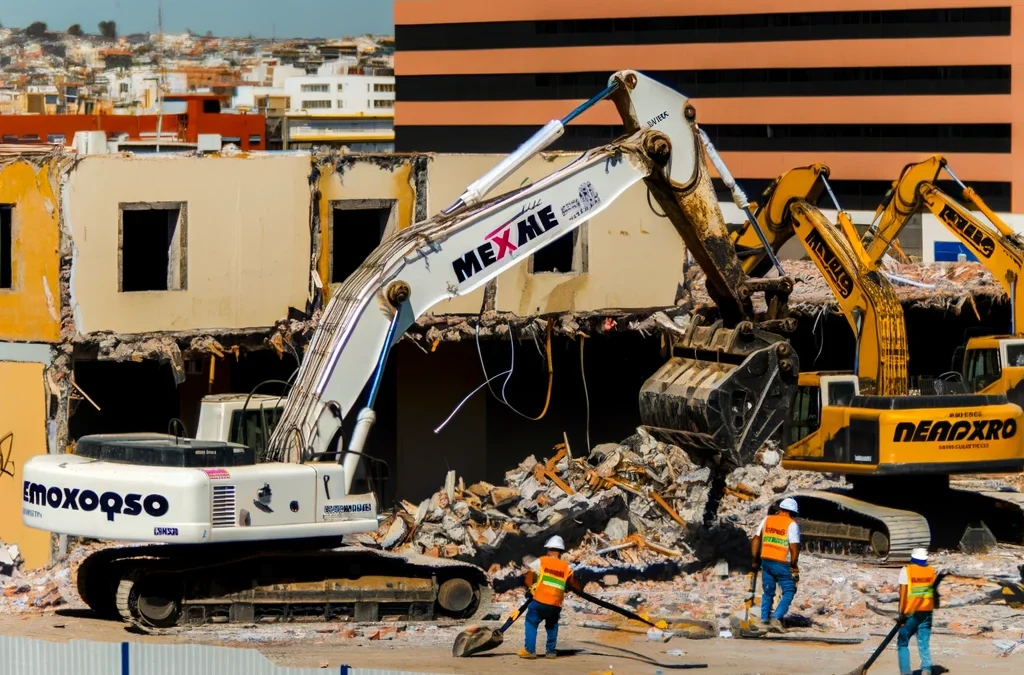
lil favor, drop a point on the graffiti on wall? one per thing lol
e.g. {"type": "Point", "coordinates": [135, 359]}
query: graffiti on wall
{"type": "Point", "coordinates": [7, 455]}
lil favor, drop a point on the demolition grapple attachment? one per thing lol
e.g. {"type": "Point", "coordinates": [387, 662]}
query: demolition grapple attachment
{"type": "Point", "coordinates": [723, 392]}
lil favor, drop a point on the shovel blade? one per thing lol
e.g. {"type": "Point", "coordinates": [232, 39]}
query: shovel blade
{"type": "Point", "coordinates": [469, 643]}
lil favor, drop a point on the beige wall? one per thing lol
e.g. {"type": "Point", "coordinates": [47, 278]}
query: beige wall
{"type": "Point", "coordinates": [248, 241]}
{"type": "Point", "coordinates": [22, 435]}
{"type": "Point", "coordinates": [635, 258]}
{"type": "Point", "coordinates": [363, 181]}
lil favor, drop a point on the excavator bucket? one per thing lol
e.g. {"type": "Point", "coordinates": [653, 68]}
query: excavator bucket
{"type": "Point", "coordinates": [722, 394]}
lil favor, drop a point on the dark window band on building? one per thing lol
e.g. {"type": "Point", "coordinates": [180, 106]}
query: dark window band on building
{"type": "Point", "coordinates": [865, 195]}
{"type": "Point", "coordinates": [922, 138]}
{"type": "Point", "coordinates": [732, 83]}
{"type": "Point", "coordinates": [849, 25]}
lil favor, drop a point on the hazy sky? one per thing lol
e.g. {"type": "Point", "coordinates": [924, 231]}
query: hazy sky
{"type": "Point", "coordinates": [262, 18]}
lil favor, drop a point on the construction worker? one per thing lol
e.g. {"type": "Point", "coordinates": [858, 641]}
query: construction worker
{"type": "Point", "coordinates": [918, 599]}
{"type": "Point", "coordinates": [546, 581]}
{"type": "Point", "coordinates": [775, 550]}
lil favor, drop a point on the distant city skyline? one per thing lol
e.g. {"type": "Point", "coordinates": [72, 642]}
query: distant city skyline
{"type": "Point", "coordinates": [226, 18]}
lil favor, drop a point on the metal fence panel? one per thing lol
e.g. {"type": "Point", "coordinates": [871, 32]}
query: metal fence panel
{"type": "Point", "coordinates": [176, 659]}
{"type": "Point", "coordinates": [29, 656]}
{"type": "Point", "coordinates": [25, 656]}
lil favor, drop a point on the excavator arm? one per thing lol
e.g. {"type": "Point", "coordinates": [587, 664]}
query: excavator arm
{"type": "Point", "coordinates": [865, 296]}
{"type": "Point", "coordinates": [475, 239]}
{"type": "Point", "coordinates": [994, 243]}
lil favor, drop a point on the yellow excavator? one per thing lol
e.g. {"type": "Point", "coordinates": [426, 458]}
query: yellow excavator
{"type": "Point", "coordinates": [991, 364]}
{"type": "Point", "coordinates": [895, 450]}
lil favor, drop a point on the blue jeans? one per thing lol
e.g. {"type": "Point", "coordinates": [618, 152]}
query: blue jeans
{"type": "Point", "coordinates": [549, 614]}
{"type": "Point", "coordinates": [920, 624]}
{"type": "Point", "coordinates": [774, 572]}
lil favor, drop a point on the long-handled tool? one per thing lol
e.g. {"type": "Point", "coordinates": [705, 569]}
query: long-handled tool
{"type": "Point", "coordinates": [861, 670]}
{"type": "Point", "coordinates": [475, 639]}
{"type": "Point", "coordinates": [643, 618]}
{"type": "Point", "coordinates": [745, 628]}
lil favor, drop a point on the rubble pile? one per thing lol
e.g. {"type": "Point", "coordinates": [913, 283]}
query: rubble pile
{"type": "Point", "coordinates": [941, 286]}
{"type": "Point", "coordinates": [641, 500]}
{"type": "Point", "coordinates": [51, 586]}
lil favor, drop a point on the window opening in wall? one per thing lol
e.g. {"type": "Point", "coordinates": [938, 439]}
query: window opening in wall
{"type": "Point", "coordinates": [6, 247]}
{"type": "Point", "coordinates": [379, 103]}
{"type": "Point", "coordinates": [210, 106]}
{"type": "Point", "coordinates": [357, 227]}
{"type": "Point", "coordinates": [565, 255]}
{"type": "Point", "coordinates": [316, 87]}
{"type": "Point", "coordinates": [153, 247]}
{"type": "Point", "coordinates": [316, 104]}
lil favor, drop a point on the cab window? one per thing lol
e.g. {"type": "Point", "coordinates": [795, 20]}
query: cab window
{"type": "Point", "coordinates": [981, 368]}
{"type": "Point", "coordinates": [841, 393]}
{"type": "Point", "coordinates": [253, 428]}
{"type": "Point", "coordinates": [1014, 355]}
{"type": "Point", "coordinates": [805, 414]}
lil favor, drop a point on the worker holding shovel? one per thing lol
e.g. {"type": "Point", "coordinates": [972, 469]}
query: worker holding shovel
{"type": "Point", "coordinates": [547, 579]}
{"type": "Point", "coordinates": [775, 550]}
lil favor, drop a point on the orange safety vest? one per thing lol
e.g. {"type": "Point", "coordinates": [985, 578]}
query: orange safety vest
{"type": "Point", "coordinates": [920, 591]}
{"type": "Point", "coordinates": [551, 581]}
{"type": "Point", "coordinates": [775, 538]}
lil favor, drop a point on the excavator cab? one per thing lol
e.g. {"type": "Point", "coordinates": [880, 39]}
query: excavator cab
{"type": "Point", "coordinates": [813, 392]}
{"type": "Point", "coordinates": [994, 365]}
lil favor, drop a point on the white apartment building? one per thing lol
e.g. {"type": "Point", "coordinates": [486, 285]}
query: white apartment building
{"type": "Point", "coordinates": [357, 95]}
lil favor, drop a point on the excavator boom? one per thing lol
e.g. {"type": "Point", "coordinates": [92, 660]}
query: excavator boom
{"type": "Point", "coordinates": [865, 296]}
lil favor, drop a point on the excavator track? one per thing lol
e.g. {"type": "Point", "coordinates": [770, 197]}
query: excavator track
{"type": "Point", "coordinates": [168, 588]}
{"type": "Point", "coordinates": [839, 525]}
{"type": "Point", "coordinates": [842, 525]}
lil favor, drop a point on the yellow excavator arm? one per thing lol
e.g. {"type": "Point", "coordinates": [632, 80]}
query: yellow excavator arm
{"type": "Point", "coordinates": [994, 243]}
{"type": "Point", "coordinates": [865, 297]}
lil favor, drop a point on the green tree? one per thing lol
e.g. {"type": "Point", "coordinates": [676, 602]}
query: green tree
{"type": "Point", "coordinates": [75, 30]}
{"type": "Point", "coordinates": [36, 29]}
{"type": "Point", "coordinates": [108, 29]}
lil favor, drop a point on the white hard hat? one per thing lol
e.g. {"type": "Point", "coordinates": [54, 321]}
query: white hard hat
{"type": "Point", "coordinates": [555, 543]}
{"type": "Point", "coordinates": [789, 504]}
{"type": "Point", "coordinates": [919, 554]}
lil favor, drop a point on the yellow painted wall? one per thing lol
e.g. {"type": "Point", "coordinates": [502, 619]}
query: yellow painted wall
{"type": "Point", "coordinates": [635, 257]}
{"type": "Point", "coordinates": [248, 240]}
{"type": "Point", "coordinates": [30, 310]}
{"type": "Point", "coordinates": [22, 435]}
{"type": "Point", "coordinates": [362, 180]}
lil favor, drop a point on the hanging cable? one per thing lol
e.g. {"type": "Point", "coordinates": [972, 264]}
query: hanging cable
{"type": "Point", "coordinates": [486, 383]}
{"type": "Point", "coordinates": [511, 369]}
{"type": "Point", "coordinates": [586, 394]}
{"type": "Point", "coordinates": [508, 376]}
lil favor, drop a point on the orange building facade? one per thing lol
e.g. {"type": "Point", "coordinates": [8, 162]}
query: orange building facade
{"type": "Point", "coordinates": [864, 86]}
{"type": "Point", "coordinates": [202, 116]}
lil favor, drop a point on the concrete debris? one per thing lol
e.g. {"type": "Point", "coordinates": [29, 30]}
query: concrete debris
{"type": "Point", "coordinates": [950, 287]}
{"type": "Point", "coordinates": [640, 486]}
{"type": "Point", "coordinates": [10, 561]}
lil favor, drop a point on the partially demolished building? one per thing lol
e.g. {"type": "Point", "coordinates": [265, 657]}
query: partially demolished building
{"type": "Point", "coordinates": [133, 286]}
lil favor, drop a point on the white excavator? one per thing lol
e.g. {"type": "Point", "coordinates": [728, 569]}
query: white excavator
{"type": "Point", "coordinates": [223, 537]}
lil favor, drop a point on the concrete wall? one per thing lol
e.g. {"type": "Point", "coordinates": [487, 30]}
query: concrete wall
{"type": "Point", "coordinates": [633, 257]}
{"type": "Point", "coordinates": [367, 182]}
{"type": "Point", "coordinates": [248, 241]}
{"type": "Point", "coordinates": [22, 435]}
{"type": "Point", "coordinates": [30, 309]}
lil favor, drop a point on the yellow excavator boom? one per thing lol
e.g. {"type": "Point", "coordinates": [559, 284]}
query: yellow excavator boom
{"type": "Point", "coordinates": [865, 297]}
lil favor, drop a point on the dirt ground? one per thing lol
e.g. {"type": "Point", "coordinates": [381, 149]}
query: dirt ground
{"type": "Point", "coordinates": [428, 649]}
